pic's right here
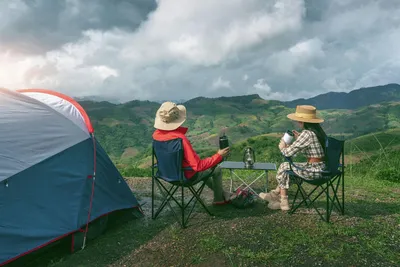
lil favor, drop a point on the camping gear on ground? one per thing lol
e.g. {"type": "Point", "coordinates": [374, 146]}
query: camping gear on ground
{"type": "Point", "coordinates": [288, 137]}
{"type": "Point", "coordinates": [243, 198]}
{"type": "Point", "coordinates": [249, 157]}
{"type": "Point", "coordinates": [55, 178]}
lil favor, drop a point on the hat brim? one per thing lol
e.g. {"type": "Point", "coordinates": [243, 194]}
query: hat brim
{"type": "Point", "coordinates": [293, 117]}
{"type": "Point", "coordinates": [159, 124]}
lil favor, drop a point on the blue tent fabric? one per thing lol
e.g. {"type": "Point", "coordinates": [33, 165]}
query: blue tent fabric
{"type": "Point", "coordinates": [111, 190]}
{"type": "Point", "coordinates": [52, 198]}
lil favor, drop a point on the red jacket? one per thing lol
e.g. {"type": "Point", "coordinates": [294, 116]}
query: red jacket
{"type": "Point", "coordinates": [190, 157]}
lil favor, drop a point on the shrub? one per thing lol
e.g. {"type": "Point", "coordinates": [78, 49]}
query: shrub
{"type": "Point", "coordinates": [391, 174]}
{"type": "Point", "coordinates": [380, 166]}
{"type": "Point", "coordinates": [135, 172]}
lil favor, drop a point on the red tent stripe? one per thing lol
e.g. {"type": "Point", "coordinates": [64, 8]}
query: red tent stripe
{"type": "Point", "coordinates": [67, 98]}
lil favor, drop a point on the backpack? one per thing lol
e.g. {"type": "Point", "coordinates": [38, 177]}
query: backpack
{"type": "Point", "coordinates": [243, 198]}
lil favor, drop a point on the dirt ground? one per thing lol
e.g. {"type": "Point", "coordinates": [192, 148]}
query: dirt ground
{"type": "Point", "coordinates": [141, 187]}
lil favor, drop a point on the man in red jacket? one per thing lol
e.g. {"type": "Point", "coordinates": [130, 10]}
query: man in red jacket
{"type": "Point", "coordinates": [168, 121]}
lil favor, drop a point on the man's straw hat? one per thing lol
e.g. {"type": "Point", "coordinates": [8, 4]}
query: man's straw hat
{"type": "Point", "coordinates": [305, 113]}
{"type": "Point", "coordinates": [170, 116]}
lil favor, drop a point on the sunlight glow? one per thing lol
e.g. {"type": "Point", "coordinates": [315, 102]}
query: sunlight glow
{"type": "Point", "coordinates": [17, 71]}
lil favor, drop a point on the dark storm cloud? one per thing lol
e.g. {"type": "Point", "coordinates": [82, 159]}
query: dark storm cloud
{"type": "Point", "coordinates": [43, 25]}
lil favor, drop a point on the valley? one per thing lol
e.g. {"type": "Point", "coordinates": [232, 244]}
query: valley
{"type": "Point", "coordinates": [124, 130]}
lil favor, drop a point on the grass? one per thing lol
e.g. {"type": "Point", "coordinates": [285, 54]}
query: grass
{"type": "Point", "coordinates": [367, 235]}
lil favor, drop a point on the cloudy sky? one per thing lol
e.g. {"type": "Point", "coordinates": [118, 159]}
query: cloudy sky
{"type": "Point", "coordinates": [180, 49]}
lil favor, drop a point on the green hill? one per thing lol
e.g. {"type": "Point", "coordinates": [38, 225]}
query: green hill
{"type": "Point", "coordinates": [354, 99]}
{"type": "Point", "coordinates": [125, 130]}
{"type": "Point", "coordinates": [370, 148]}
{"type": "Point", "coordinates": [374, 142]}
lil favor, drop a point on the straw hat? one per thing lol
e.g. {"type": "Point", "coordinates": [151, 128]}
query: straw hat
{"type": "Point", "coordinates": [170, 116]}
{"type": "Point", "coordinates": [305, 113]}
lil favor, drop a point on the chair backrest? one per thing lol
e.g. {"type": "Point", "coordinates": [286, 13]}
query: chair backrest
{"type": "Point", "coordinates": [333, 153]}
{"type": "Point", "coordinates": [169, 155]}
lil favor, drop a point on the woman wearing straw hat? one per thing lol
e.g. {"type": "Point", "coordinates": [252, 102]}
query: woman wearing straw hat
{"type": "Point", "coordinates": [311, 142]}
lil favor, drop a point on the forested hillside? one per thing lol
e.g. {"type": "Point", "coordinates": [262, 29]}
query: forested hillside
{"type": "Point", "coordinates": [125, 130]}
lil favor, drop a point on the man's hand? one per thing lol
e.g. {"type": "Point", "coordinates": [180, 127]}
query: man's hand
{"type": "Point", "coordinates": [296, 133]}
{"type": "Point", "coordinates": [223, 152]}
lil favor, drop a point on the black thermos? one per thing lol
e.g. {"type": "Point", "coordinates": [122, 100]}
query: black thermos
{"type": "Point", "coordinates": [223, 142]}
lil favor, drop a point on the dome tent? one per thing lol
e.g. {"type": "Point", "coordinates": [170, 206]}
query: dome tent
{"type": "Point", "coordinates": [55, 178]}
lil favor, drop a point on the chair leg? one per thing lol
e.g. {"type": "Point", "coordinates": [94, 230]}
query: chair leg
{"type": "Point", "coordinates": [168, 194]}
{"type": "Point", "coordinates": [307, 197]}
{"type": "Point", "coordinates": [293, 207]}
{"type": "Point", "coordinates": [167, 197]}
{"type": "Point", "coordinates": [342, 177]}
{"type": "Point", "coordinates": [339, 204]}
{"type": "Point", "coordinates": [197, 196]}
{"type": "Point", "coordinates": [327, 203]}
{"type": "Point", "coordinates": [183, 208]}
{"type": "Point", "coordinates": [152, 197]}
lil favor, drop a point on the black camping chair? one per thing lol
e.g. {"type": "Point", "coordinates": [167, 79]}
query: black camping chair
{"type": "Point", "coordinates": [330, 182]}
{"type": "Point", "coordinates": [169, 156]}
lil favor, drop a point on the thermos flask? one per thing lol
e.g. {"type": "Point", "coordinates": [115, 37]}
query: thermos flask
{"type": "Point", "coordinates": [223, 142]}
{"type": "Point", "coordinates": [288, 137]}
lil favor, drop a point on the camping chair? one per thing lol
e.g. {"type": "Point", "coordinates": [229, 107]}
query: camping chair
{"type": "Point", "coordinates": [169, 156]}
{"type": "Point", "coordinates": [329, 183]}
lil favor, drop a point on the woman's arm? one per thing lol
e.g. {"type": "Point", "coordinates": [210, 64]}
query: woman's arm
{"type": "Point", "coordinates": [299, 144]}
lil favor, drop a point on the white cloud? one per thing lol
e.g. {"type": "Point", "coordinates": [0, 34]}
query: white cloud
{"type": "Point", "coordinates": [14, 69]}
{"type": "Point", "coordinates": [384, 73]}
{"type": "Point", "coordinates": [197, 34]}
{"type": "Point", "coordinates": [220, 83]}
{"type": "Point", "coordinates": [262, 85]}
{"type": "Point", "coordinates": [285, 62]}
{"type": "Point", "coordinates": [104, 72]}
{"type": "Point", "coordinates": [183, 45]}
{"type": "Point", "coordinates": [262, 88]}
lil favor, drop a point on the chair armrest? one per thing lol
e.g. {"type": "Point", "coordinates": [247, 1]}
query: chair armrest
{"type": "Point", "coordinates": [185, 168]}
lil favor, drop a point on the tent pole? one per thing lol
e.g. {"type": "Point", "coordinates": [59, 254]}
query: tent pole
{"type": "Point", "coordinates": [92, 194]}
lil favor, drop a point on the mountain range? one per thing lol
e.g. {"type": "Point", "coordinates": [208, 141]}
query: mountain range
{"type": "Point", "coordinates": [331, 100]}
{"type": "Point", "coordinates": [125, 129]}
{"type": "Point", "coordinates": [354, 99]}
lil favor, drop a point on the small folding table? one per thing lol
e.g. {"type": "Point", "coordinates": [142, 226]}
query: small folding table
{"type": "Point", "coordinates": [258, 166]}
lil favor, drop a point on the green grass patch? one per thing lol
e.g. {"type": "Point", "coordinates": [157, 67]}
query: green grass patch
{"type": "Point", "coordinates": [367, 235]}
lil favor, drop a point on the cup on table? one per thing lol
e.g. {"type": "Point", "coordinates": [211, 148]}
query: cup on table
{"type": "Point", "coordinates": [288, 137]}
